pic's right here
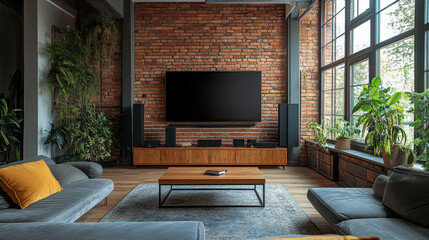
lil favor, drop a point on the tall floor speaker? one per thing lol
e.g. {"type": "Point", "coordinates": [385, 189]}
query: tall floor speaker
{"type": "Point", "coordinates": [138, 125]}
{"type": "Point", "coordinates": [288, 125]}
{"type": "Point", "coordinates": [170, 137]}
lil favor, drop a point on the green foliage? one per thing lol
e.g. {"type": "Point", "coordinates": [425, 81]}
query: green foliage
{"type": "Point", "coordinates": [99, 31]}
{"type": "Point", "coordinates": [343, 129]}
{"type": "Point", "coordinates": [71, 77]}
{"type": "Point", "coordinates": [86, 134]}
{"type": "Point", "coordinates": [10, 130]}
{"type": "Point", "coordinates": [421, 112]}
{"type": "Point", "coordinates": [321, 132]}
{"type": "Point", "coordinates": [382, 117]}
{"type": "Point", "coordinates": [91, 136]}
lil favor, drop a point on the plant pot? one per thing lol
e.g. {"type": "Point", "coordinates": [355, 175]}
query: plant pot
{"type": "Point", "coordinates": [398, 156]}
{"type": "Point", "coordinates": [343, 143]}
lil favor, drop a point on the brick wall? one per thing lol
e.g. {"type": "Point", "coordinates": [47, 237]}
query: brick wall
{"type": "Point", "coordinates": [201, 37]}
{"type": "Point", "coordinates": [310, 86]}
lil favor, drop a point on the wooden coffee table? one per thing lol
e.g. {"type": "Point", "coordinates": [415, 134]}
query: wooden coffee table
{"type": "Point", "coordinates": [175, 176]}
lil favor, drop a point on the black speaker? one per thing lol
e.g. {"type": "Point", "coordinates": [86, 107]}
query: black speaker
{"type": "Point", "coordinates": [209, 143]}
{"type": "Point", "coordinates": [288, 125]}
{"type": "Point", "coordinates": [266, 145]}
{"type": "Point", "coordinates": [238, 142]}
{"type": "Point", "coordinates": [170, 137]}
{"type": "Point", "coordinates": [138, 125]}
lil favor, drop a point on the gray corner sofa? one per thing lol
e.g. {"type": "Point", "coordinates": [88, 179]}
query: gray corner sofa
{"type": "Point", "coordinates": [396, 208]}
{"type": "Point", "coordinates": [53, 217]}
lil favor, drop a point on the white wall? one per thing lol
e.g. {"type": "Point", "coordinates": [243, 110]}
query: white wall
{"type": "Point", "coordinates": [39, 16]}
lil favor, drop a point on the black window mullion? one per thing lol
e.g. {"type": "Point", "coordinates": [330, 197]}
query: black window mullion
{"type": "Point", "coordinates": [346, 65]}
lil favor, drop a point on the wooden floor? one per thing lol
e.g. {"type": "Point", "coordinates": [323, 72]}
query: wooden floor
{"type": "Point", "coordinates": [297, 181]}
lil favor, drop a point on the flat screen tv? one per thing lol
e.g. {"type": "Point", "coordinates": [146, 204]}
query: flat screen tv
{"type": "Point", "coordinates": [213, 96]}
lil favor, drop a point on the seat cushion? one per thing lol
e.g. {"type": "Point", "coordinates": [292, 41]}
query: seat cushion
{"type": "Point", "coordinates": [65, 206]}
{"type": "Point", "coordinates": [339, 204]}
{"type": "Point", "coordinates": [111, 231]}
{"type": "Point", "coordinates": [65, 173]}
{"type": "Point", "coordinates": [407, 194]}
{"type": "Point", "coordinates": [385, 228]}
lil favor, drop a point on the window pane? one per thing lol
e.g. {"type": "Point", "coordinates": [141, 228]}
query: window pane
{"type": "Point", "coordinates": [340, 23]}
{"type": "Point", "coordinates": [355, 92]}
{"type": "Point", "coordinates": [327, 80]}
{"type": "Point", "coordinates": [327, 54]}
{"type": "Point", "coordinates": [329, 8]}
{"type": "Point", "coordinates": [327, 31]}
{"type": "Point", "coordinates": [361, 37]}
{"type": "Point", "coordinates": [397, 65]}
{"type": "Point", "coordinates": [339, 5]}
{"type": "Point", "coordinates": [360, 73]}
{"type": "Point", "coordinates": [339, 47]}
{"type": "Point", "coordinates": [339, 102]}
{"type": "Point", "coordinates": [327, 103]}
{"type": "Point", "coordinates": [339, 77]}
{"type": "Point", "coordinates": [397, 71]}
{"type": "Point", "coordinates": [358, 7]}
{"type": "Point", "coordinates": [427, 12]}
{"type": "Point", "coordinates": [396, 19]}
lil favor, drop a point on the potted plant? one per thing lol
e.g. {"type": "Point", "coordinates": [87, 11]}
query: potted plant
{"type": "Point", "coordinates": [10, 129]}
{"type": "Point", "coordinates": [381, 122]}
{"type": "Point", "coordinates": [420, 110]}
{"type": "Point", "coordinates": [321, 132]}
{"type": "Point", "coordinates": [345, 133]}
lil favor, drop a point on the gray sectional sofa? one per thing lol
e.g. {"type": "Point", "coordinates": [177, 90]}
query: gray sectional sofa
{"type": "Point", "coordinates": [396, 208]}
{"type": "Point", "coordinates": [53, 217]}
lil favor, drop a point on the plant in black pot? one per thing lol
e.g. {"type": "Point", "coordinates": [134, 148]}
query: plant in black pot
{"type": "Point", "coordinates": [345, 133]}
{"type": "Point", "coordinates": [420, 110]}
{"type": "Point", "coordinates": [382, 121]}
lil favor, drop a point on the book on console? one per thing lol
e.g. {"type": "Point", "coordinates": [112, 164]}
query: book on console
{"type": "Point", "coordinates": [215, 171]}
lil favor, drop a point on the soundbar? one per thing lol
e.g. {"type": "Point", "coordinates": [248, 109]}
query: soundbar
{"type": "Point", "coordinates": [266, 145]}
{"type": "Point", "coordinates": [212, 125]}
{"type": "Point", "coordinates": [209, 143]}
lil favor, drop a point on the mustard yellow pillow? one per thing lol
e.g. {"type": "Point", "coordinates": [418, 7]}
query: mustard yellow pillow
{"type": "Point", "coordinates": [28, 182]}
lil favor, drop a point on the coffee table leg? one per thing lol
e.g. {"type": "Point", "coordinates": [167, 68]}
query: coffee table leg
{"type": "Point", "coordinates": [261, 200]}
{"type": "Point", "coordinates": [161, 200]}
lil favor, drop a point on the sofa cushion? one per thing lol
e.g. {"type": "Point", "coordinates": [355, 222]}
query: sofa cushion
{"type": "Point", "coordinates": [66, 206]}
{"type": "Point", "coordinates": [111, 231]}
{"type": "Point", "coordinates": [65, 173]}
{"type": "Point", "coordinates": [407, 194]}
{"type": "Point", "coordinates": [339, 204]}
{"type": "Point", "coordinates": [91, 169]}
{"type": "Point", "coordinates": [379, 185]}
{"type": "Point", "coordinates": [28, 182]}
{"type": "Point", "coordinates": [385, 228]}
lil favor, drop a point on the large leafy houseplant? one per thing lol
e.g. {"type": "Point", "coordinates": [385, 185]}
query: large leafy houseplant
{"type": "Point", "coordinates": [83, 132]}
{"type": "Point", "coordinates": [321, 132]}
{"type": "Point", "coordinates": [345, 132]}
{"type": "Point", "coordinates": [381, 120]}
{"type": "Point", "coordinates": [10, 129]}
{"type": "Point", "coordinates": [420, 110]}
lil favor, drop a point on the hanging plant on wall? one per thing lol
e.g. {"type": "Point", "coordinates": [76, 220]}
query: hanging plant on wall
{"type": "Point", "coordinates": [100, 33]}
{"type": "Point", "coordinates": [87, 134]}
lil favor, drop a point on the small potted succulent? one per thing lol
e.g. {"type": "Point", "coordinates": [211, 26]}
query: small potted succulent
{"type": "Point", "coordinates": [345, 133]}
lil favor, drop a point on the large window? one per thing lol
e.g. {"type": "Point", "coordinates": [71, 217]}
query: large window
{"type": "Point", "coordinates": [383, 40]}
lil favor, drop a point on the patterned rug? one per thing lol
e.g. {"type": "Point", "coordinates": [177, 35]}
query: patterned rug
{"type": "Point", "coordinates": [280, 216]}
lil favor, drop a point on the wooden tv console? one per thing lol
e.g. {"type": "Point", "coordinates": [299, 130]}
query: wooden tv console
{"type": "Point", "coordinates": [210, 156]}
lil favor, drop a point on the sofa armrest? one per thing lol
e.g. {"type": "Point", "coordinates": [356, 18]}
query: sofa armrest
{"type": "Point", "coordinates": [91, 169]}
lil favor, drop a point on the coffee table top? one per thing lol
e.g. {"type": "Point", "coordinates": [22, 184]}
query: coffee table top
{"type": "Point", "coordinates": [195, 175]}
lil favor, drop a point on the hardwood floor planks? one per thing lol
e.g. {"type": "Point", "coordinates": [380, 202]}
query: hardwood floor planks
{"type": "Point", "coordinates": [297, 180]}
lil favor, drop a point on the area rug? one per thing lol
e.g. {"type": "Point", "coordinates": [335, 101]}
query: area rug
{"type": "Point", "coordinates": [280, 216]}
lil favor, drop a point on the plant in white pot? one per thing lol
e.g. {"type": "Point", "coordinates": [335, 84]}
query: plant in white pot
{"type": "Point", "coordinates": [345, 133]}
{"type": "Point", "coordinates": [381, 122]}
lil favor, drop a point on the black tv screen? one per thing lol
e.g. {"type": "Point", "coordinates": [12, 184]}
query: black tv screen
{"type": "Point", "coordinates": [213, 96]}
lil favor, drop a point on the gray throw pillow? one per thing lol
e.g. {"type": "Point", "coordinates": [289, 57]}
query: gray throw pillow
{"type": "Point", "coordinates": [91, 169]}
{"type": "Point", "coordinates": [379, 185]}
{"type": "Point", "coordinates": [66, 173]}
{"type": "Point", "coordinates": [407, 194]}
